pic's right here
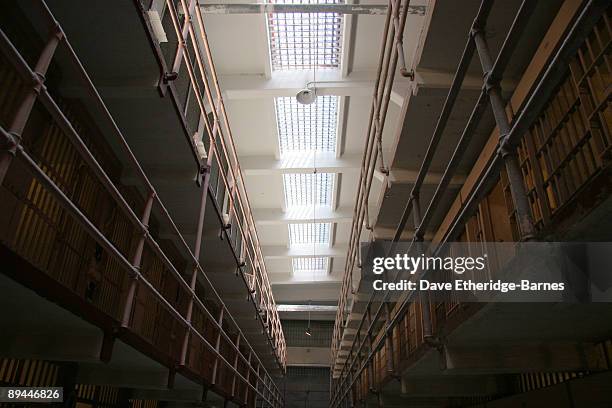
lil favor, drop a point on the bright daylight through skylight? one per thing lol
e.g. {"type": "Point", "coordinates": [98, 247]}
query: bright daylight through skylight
{"type": "Point", "coordinates": [307, 42]}
{"type": "Point", "coordinates": [306, 128]}
{"type": "Point", "coordinates": [308, 189]}
{"type": "Point", "coordinates": [308, 268]}
{"type": "Point", "coordinates": [309, 233]}
{"type": "Point", "coordinates": [304, 40]}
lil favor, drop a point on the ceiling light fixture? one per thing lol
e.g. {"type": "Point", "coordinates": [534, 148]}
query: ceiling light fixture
{"type": "Point", "coordinates": [306, 96]}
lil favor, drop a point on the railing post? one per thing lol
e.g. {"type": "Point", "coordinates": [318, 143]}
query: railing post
{"type": "Point", "coordinates": [248, 379]}
{"type": "Point", "coordinates": [136, 261]}
{"type": "Point", "coordinates": [235, 366]}
{"type": "Point", "coordinates": [418, 239]}
{"type": "Point", "coordinates": [217, 348]}
{"type": "Point", "coordinates": [182, 41]}
{"type": "Point", "coordinates": [509, 155]}
{"type": "Point", "coordinates": [8, 147]}
{"type": "Point", "coordinates": [359, 360]}
{"type": "Point", "coordinates": [257, 380]}
{"type": "Point", "coordinates": [264, 390]}
{"type": "Point", "coordinates": [196, 254]}
{"type": "Point", "coordinates": [368, 334]}
{"type": "Point", "coordinates": [389, 340]}
{"type": "Point", "coordinates": [395, 6]}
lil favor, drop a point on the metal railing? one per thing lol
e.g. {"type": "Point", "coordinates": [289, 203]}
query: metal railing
{"type": "Point", "coordinates": [392, 53]}
{"type": "Point", "coordinates": [256, 382]}
{"type": "Point", "coordinates": [202, 73]}
{"type": "Point", "coordinates": [376, 328]}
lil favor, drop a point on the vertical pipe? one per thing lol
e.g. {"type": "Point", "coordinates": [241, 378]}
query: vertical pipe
{"type": "Point", "coordinates": [257, 381]}
{"type": "Point", "coordinates": [182, 42]}
{"type": "Point", "coordinates": [248, 379]}
{"type": "Point", "coordinates": [217, 345]}
{"type": "Point", "coordinates": [235, 366]}
{"type": "Point", "coordinates": [196, 254]}
{"type": "Point", "coordinates": [399, 43]}
{"type": "Point", "coordinates": [265, 389]}
{"type": "Point", "coordinates": [368, 315]}
{"type": "Point", "coordinates": [136, 261]}
{"type": "Point", "coordinates": [508, 154]}
{"type": "Point", "coordinates": [7, 153]}
{"type": "Point", "coordinates": [389, 340]}
{"type": "Point", "coordinates": [418, 239]}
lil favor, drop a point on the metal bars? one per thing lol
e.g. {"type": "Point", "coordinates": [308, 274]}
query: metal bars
{"type": "Point", "coordinates": [210, 103]}
{"type": "Point", "coordinates": [352, 369]}
{"type": "Point", "coordinates": [37, 76]}
{"type": "Point", "coordinates": [385, 77]}
{"type": "Point", "coordinates": [10, 145]}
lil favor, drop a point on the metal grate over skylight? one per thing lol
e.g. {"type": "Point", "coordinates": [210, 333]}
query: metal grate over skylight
{"type": "Point", "coordinates": [308, 268]}
{"type": "Point", "coordinates": [309, 233]}
{"type": "Point", "coordinates": [306, 128]}
{"type": "Point", "coordinates": [307, 189]}
{"type": "Point", "coordinates": [305, 40]}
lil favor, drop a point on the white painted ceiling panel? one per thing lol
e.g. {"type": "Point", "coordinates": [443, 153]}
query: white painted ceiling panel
{"type": "Point", "coordinates": [253, 126]}
{"type": "Point", "coordinates": [238, 42]}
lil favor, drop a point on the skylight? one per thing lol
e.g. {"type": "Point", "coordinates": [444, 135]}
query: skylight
{"type": "Point", "coordinates": [309, 268]}
{"type": "Point", "coordinates": [306, 128]}
{"type": "Point", "coordinates": [308, 189]}
{"type": "Point", "coordinates": [305, 40]}
{"type": "Point", "coordinates": [310, 233]}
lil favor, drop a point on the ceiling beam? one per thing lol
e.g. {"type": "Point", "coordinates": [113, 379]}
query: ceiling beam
{"type": "Point", "coordinates": [307, 308]}
{"type": "Point", "coordinates": [326, 291]}
{"type": "Point", "coordinates": [264, 8]}
{"type": "Point", "coordinates": [331, 82]}
{"type": "Point", "coordinates": [348, 45]}
{"type": "Point", "coordinates": [303, 284]}
{"type": "Point", "coordinates": [404, 176]}
{"type": "Point", "coordinates": [276, 216]}
{"type": "Point", "coordinates": [336, 82]}
{"type": "Point", "coordinates": [387, 233]}
{"type": "Point", "coordinates": [262, 165]}
{"type": "Point", "coordinates": [282, 252]}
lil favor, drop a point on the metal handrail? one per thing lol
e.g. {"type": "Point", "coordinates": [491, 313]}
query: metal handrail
{"type": "Point", "coordinates": [229, 152]}
{"type": "Point", "coordinates": [493, 73]}
{"type": "Point", "coordinates": [391, 51]}
{"type": "Point", "coordinates": [11, 139]}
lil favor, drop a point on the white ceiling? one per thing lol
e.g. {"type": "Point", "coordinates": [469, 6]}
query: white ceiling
{"type": "Point", "coordinates": [240, 50]}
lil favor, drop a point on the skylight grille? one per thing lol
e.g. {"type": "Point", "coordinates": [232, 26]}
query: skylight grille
{"type": "Point", "coordinates": [305, 128]}
{"type": "Point", "coordinates": [307, 189]}
{"type": "Point", "coordinates": [311, 233]}
{"type": "Point", "coordinates": [305, 40]}
{"type": "Point", "coordinates": [308, 268]}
